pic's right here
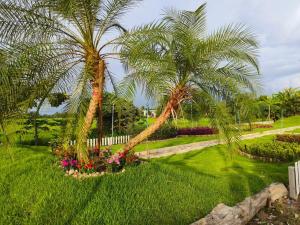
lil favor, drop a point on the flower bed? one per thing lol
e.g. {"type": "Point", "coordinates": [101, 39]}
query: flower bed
{"type": "Point", "coordinates": [197, 131]}
{"type": "Point", "coordinates": [99, 163]}
{"type": "Point", "coordinates": [275, 151]}
{"type": "Point", "coordinates": [291, 138]}
{"type": "Point", "coordinates": [263, 126]}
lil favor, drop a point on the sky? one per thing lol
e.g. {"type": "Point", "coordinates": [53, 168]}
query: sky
{"type": "Point", "coordinates": [276, 24]}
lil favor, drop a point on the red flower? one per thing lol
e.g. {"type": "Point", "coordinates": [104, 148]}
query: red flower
{"type": "Point", "coordinates": [79, 166]}
{"type": "Point", "coordinates": [96, 150]}
{"type": "Point", "coordinates": [121, 155]}
{"type": "Point", "coordinates": [89, 166]}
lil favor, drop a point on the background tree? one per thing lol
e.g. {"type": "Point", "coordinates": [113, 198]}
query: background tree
{"type": "Point", "coordinates": [246, 108]}
{"type": "Point", "coordinates": [289, 101]}
{"type": "Point", "coordinates": [183, 59]}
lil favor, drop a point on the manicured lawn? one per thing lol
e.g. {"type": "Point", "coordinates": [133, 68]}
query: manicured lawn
{"type": "Point", "coordinates": [296, 131]}
{"type": "Point", "coordinates": [174, 190]}
{"type": "Point", "coordinates": [184, 123]}
{"type": "Point", "coordinates": [288, 122]}
{"type": "Point", "coordinates": [168, 142]}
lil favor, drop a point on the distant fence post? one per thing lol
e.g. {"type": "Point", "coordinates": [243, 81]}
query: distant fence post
{"type": "Point", "coordinates": [294, 180]}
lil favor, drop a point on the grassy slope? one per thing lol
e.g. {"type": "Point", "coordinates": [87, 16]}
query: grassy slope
{"type": "Point", "coordinates": [173, 190]}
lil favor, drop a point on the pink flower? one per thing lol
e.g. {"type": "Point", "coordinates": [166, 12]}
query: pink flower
{"type": "Point", "coordinates": [73, 162]}
{"type": "Point", "coordinates": [110, 160]}
{"type": "Point", "coordinates": [64, 163]}
{"type": "Point", "coordinates": [117, 160]}
{"type": "Point", "coordinates": [114, 159]}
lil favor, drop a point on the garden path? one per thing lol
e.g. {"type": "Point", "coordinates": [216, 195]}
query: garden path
{"type": "Point", "coordinates": [179, 149]}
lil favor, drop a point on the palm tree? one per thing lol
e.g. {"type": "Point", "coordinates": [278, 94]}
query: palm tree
{"type": "Point", "coordinates": [183, 59]}
{"type": "Point", "coordinates": [25, 81]}
{"type": "Point", "coordinates": [289, 100]}
{"type": "Point", "coordinates": [76, 35]}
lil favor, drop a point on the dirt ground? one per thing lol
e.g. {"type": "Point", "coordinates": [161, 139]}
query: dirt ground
{"type": "Point", "coordinates": [282, 212]}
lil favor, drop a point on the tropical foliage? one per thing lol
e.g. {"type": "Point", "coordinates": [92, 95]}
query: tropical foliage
{"type": "Point", "coordinates": [68, 39]}
{"type": "Point", "coordinates": [180, 60]}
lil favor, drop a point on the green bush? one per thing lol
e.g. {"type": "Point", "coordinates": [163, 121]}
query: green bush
{"type": "Point", "coordinates": [165, 132]}
{"type": "Point", "coordinates": [281, 151]}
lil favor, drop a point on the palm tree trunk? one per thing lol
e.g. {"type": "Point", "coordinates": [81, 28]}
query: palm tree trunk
{"type": "Point", "coordinates": [172, 104]}
{"type": "Point", "coordinates": [100, 102]}
{"type": "Point", "coordinates": [88, 121]}
{"type": "Point", "coordinates": [98, 67]}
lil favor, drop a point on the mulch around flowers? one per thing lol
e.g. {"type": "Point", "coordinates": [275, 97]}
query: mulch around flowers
{"type": "Point", "coordinates": [283, 212]}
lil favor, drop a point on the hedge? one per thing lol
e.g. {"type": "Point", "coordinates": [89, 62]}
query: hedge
{"type": "Point", "coordinates": [196, 131]}
{"type": "Point", "coordinates": [282, 151]}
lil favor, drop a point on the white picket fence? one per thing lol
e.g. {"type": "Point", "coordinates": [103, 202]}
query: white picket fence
{"type": "Point", "coordinates": [106, 141]}
{"type": "Point", "coordinates": [294, 180]}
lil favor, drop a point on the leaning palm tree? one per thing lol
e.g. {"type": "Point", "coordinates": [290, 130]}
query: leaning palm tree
{"type": "Point", "coordinates": [183, 59]}
{"type": "Point", "coordinates": [75, 33]}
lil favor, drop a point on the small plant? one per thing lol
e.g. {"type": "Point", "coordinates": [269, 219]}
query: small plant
{"type": "Point", "coordinates": [118, 161]}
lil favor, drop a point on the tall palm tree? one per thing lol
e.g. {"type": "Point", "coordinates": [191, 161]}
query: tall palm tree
{"type": "Point", "coordinates": [183, 59]}
{"type": "Point", "coordinates": [77, 35]}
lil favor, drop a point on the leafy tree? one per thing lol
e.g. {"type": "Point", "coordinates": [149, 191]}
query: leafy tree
{"type": "Point", "coordinates": [124, 111]}
{"type": "Point", "coordinates": [24, 85]}
{"type": "Point", "coordinates": [289, 101]}
{"type": "Point", "coordinates": [246, 108]}
{"type": "Point", "coordinates": [73, 36]}
{"type": "Point", "coordinates": [182, 59]}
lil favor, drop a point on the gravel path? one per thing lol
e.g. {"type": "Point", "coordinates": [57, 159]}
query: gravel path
{"type": "Point", "coordinates": [179, 149]}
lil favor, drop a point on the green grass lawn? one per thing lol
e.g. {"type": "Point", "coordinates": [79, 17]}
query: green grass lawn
{"type": "Point", "coordinates": [148, 145]}
{"type": "Point", "coordinates": [296, 131]}
{"type": "Point", "coordinates": [184, 123]}
{"type": "Point", "coordinates": [173, 190]}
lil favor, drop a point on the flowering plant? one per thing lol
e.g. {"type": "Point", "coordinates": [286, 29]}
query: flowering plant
{"type": "Point", "coordinates": [116, 162]}
{"type": "Point", "coordinates": [102, 160]}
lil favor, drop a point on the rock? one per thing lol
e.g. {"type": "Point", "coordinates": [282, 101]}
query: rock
{"type": "Point", "coordinates": [244, 211]}
{"type": "Point", "coordinates": [277, 191]}
{"type": "Point", "coordinates": [71, 171]}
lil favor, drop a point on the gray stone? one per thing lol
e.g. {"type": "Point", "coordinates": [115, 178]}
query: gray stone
{"type": "Point", "coordinates": [244, 211]}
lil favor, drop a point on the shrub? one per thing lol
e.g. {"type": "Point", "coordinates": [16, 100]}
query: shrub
{"type": "Point", "coordinates": [291, 138]}
{"type": "Point", "coordinates": [165, 132]}
{"type": "Point", "coordinates": [281, 151]}
{"type": "Point", "coordinates": [196, 131]}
